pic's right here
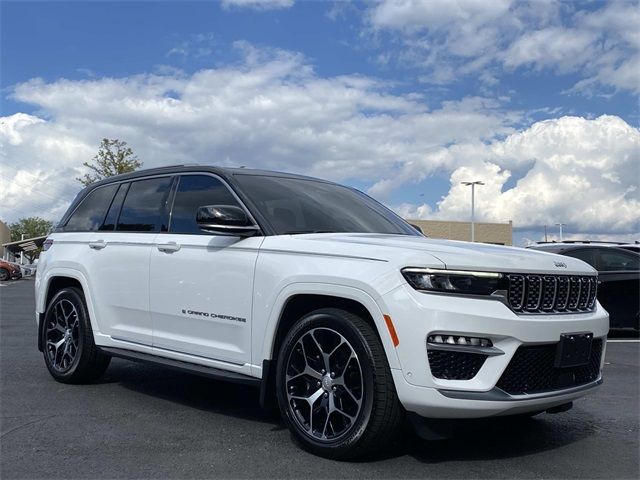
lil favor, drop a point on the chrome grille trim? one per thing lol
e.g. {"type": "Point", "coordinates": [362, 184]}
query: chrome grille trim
{"type": "Point", "coordinates": [551, 293]}
{"type": "Point", "coordinates": [575, 285]}
{"type": "Point", "coordinates": [563, 294]}
{"type": "Point", "coordinates": [516, 291]}
{"type": "Point", "coordinates": [534, 292]}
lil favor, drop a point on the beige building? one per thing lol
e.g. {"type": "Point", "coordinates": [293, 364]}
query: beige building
{"type": "Point", "coordinates": [496, 233]}
{"type": "Point", "coordinates": [5, 237]}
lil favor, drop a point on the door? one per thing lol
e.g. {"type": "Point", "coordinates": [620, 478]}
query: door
{"type": "Point", "coordinates": [202, 283]}
{"type": "Point", "coordinates": [119, 259]}
{"type": "Point", "coordinates": [619, 289]}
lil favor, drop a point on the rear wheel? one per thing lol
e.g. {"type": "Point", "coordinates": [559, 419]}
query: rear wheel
{"type": "Point", "coordinates": [4, 275]}
{"type": "Point", "coordinates": [69, 350]}
{"type": "Point", "coordinates": [334, 386]}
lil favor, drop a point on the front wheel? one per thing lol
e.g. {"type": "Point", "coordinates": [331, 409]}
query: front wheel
{"type": "Point", "coordinates": [4, 274]}
{"type": "Point", "coordinates": [334, 385]}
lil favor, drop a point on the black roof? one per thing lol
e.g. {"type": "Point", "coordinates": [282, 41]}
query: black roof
{"type": "Point", "coordinates": [224, 172]}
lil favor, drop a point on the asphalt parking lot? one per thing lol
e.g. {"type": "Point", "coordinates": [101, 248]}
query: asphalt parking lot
{"type": "Point", "coordinates": [141, 421]}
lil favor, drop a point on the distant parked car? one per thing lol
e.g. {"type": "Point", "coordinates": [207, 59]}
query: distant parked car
{"type": "Point", "coordinates": [29, 270]}
{"type": "Point", "coordinates": [618, 274]}
{"type": "Point", "coordinates": [9, 270]}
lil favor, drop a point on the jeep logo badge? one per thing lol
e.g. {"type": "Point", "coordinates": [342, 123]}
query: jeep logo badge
{"type": "Point", "coordinates": [560, 264]}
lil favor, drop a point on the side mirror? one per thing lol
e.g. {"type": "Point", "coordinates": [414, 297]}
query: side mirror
{"type": "Point", "coordinates": [227, 219]}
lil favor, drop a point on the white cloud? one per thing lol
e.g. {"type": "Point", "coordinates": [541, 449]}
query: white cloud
{"type": "Point", "coordinates": [257, 4]}
{"type": "Point", "coordinates": [581, 172]}
{"type": "Point", "coordinates": [269, 110]}
{"type": "Point", "coordinates": [450, 39]}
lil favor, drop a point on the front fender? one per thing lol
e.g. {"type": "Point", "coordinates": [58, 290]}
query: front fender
{"type": "Point", "coordinates": [264, 341]}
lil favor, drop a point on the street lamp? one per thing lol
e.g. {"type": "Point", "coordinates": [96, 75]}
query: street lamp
{"type": "Point", "coordinates": [473, 200]}
{"type": "Point", "coordinates": [560, 225]}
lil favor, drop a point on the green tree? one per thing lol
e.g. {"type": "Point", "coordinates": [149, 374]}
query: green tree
{"type": "Point", "coordinates": [30, 227]}
{"type": "Point", "coordinates": [114, 157]}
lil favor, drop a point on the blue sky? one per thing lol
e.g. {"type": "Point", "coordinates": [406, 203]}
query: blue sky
{"type": "Point", "coordinates": [398, 98]}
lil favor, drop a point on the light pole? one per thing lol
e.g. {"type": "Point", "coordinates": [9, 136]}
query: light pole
{"type": "Point", "coordinates": [473, 201]}
{"type": "Point", "coordinates": [560, 225]}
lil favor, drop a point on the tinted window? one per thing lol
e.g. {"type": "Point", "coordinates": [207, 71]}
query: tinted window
{"type": "Point", "coordinates": [584, 254]}
{"type": "Point", "coordinates": [196, 191]}
{"type": "Point", "coordinates": [611, 260]}
{"type": "Point", "coordinates": [145, 207]}
{"type": "Point", "coordinates": [294, 205]}
{"type": "Point", "coordinates": [114, 209]}
{"type": "Point", "coordinates": [89, 215]}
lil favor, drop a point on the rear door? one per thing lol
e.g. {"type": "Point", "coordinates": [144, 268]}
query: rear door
{"type": "Point", "coordinates": [202, 283]}
{"type": "Point", "coordinates": [118, 258]}
{"type": "Point", "coordinates": [619, 290]}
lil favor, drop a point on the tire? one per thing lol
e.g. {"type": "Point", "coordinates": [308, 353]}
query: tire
{"type": "Point", "coordinates": [70, 352]}
{"type": "Point", "coordinates": [366, 411]}
{"type": "Point", "coordinates": [4, 275]}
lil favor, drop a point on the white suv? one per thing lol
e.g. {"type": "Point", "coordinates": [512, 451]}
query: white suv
{"type": "Point", "coordinates": [326, 300]}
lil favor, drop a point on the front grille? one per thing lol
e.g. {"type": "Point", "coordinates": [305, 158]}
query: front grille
{"type": "Point", "coordinates": [552, 293]}
{"type": "Point", "coordinates": [532, 370]}
{"type": "Point", "coordinates": [455, 365]}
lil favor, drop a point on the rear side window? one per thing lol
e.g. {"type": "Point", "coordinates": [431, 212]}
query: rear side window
{"type": "Point", "coordinates": [90, 213]}
{"type": "Point", "coordinates": [196, 191]}
{"type": "Point", "coordinates": [112, 215]}
{"type": "Point", "coordinates": [584, 254]}
{"type": "Point", "coordinates": [612, 260]}
{"type": "Point", "coordinates": [145, 206]}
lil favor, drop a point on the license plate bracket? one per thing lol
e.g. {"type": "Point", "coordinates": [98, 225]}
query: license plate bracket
{"type": "Point", "coordinates": [574, 349]}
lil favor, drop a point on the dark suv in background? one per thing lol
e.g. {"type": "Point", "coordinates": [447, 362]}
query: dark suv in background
{"type": "Point", "coordinates": [618, 274]}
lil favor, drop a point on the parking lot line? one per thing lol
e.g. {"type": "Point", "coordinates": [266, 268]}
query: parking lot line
{"type": "Point", "coordinates": [624, 341]}
{"type": "Point", "coordinates": [13, 282]}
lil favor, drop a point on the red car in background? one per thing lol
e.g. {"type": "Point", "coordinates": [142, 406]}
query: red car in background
{"type": "Point", "coordinates": [9, 271]}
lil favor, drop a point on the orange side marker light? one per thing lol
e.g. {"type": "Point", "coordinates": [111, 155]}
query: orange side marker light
{"type": "Point", "coordinates": [392, 330]}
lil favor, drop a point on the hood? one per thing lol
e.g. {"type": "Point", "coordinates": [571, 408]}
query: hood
{"type": "Point", "coordinates": [454, 255]}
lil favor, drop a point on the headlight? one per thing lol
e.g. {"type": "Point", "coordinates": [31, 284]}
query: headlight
{"type": "Point", "coordinates": [453, 281]}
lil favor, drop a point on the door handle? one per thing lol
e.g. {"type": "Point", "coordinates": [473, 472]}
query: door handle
{"type": "Point", "coordinates": [97, 245]}
{"type": "Point", "coordinates": [168, 247]}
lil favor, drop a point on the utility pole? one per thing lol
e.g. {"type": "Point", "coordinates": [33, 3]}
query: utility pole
{"type": "Point", "coordinates": [473, 201]}
{"type": "Point", "coordinates": [545, 234]}
{"type": "Point", "coordinates": [560, 225]}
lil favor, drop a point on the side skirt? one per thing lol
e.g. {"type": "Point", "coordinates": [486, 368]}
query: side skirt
{"type": "Point", "coordinates": [201, 370]}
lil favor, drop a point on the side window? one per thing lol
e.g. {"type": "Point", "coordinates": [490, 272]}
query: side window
{"type": "Point", "coordinates": [195, 191]}
{"type": "Point", "coordinates": [612, 260]}
{"type": "Point", "coordinates": [90, 213]}
{"type": "Point", "coordinates": [584, 254]}
{"type": "Point", "coordinates": [114, 209]}
{"type": "Point", "coordinates": [145, 206]}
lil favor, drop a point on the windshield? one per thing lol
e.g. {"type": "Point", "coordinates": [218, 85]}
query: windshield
{"type": "Point", "coordinates": [293, 205]}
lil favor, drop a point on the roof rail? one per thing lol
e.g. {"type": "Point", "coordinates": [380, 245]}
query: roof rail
{"type": "Point", "coordinates": [581, 241]}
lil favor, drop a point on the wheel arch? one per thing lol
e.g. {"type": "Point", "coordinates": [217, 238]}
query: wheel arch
{"type": "Point", "coordinates": [55, 281]}
{"type": "Point", "coordinates": [295, 301]}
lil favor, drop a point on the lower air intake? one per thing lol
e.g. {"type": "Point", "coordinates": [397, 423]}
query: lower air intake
{"type": "Point", "coordinates": [532, 370]}
{"type": "Point", "coordinates": [455, 365]}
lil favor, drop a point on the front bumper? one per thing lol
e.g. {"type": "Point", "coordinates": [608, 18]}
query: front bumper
{"type": "Point", "coordinates": [417, 315]}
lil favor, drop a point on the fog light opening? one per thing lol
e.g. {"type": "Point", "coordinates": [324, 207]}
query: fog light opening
{"type": "Point", "coordinates": [459, 340]}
